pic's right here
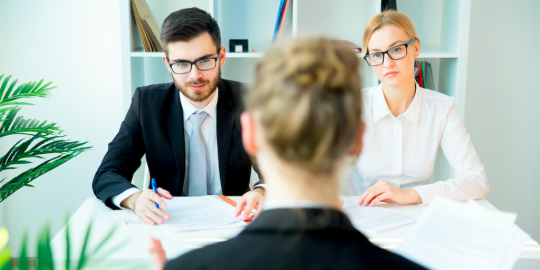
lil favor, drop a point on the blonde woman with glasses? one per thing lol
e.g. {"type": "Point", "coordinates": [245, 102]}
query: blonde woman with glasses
{"type": "Point", "coordinates": [303, 123]}
{"type": "Point", "coordinates": [406, 124]}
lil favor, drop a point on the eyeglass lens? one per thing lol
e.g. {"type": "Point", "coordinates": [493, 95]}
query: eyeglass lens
{"type": "Point", "coordinates": [185, 67]}
{"type": "Point", "coordinates": [395, 53]}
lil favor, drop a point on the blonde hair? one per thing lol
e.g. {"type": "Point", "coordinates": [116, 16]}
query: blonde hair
{"type": "Point", "coordinates": [388, 17]}
{"type": "Point", "coordinates": [307, 99]}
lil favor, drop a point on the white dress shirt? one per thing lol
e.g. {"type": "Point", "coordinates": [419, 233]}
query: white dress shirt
{"type": "Point", "coordinates": [401, 150]}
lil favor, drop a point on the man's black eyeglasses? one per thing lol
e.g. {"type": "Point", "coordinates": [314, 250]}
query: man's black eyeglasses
{"type": "Point", "coordinates": [201, 64]}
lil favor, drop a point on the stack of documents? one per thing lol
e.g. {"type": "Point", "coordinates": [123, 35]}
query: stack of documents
{"type": "Point", "coordinates": [200, 213]}
{"type": "Point", "coordinates": [453, 235]}
{"type": "Point", "coordinates": [374, 220]}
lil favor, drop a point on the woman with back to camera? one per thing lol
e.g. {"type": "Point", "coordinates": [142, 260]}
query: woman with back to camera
{"type": "Point", "coordinates": [406, 124]}
{"type": "Point", "coordinates": [303, 124]}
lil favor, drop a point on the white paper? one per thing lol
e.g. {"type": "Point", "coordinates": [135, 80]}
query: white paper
{"type": "Point", "coordinates": [374, 219]}
{"type": "Point", "coordinates": [453, 235]}
{"type": "Point", "coordinates": [200, 213]}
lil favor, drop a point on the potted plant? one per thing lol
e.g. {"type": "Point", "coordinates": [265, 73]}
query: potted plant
{"type": "Point", "coordinates": [41, 140]}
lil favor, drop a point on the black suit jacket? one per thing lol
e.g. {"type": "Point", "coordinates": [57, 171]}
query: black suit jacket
{"type": "Point", "coordinates": [294, 239]}
{"type": "Point", "coordinates": [154, 125]}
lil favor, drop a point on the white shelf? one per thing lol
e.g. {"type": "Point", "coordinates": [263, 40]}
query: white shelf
{"type": "Point", "coordinates": [427, 53]}
{"type": "Point", "coordinates": [147, 54]}
{"type": "Point", "coordinates": [229, 55]}
{"type": "Point", "coordinates": [244, 55]}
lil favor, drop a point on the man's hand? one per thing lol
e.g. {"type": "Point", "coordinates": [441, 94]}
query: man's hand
{"type": "Point", "coordinates": [143, 204]}
{"type": "Point", "coordinates": [384, 192]}
{"type": "Point", "coordinates": [157, 253]}
{"type": "Point", "coordinates": [250, 200]}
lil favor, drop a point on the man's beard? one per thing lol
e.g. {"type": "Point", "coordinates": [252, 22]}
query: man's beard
{"type": "Point", "coordinates": [202, 95]}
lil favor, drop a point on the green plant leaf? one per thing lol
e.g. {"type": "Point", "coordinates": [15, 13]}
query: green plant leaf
{"type": "Point", "coordinates": [23, 258]}
{"type": "Point", "coordinates": [11, 124]}
{"type": "Point", "coordinates": [3, 87]}
{"type": "Point", "coordinates": [83, 257]}
{"type": "Point", "coordinates": [44, 254]}
{"type": "Point", "coordinates": [104, 240]}
{"type": "Point", "coordinates": [19, 181]}
{"type": "Point", "coordinates": [5, 259]}
{"type": "Point", "coordinates": [28, 90]}
{"type": "Point", "coordinates": [68, 248]}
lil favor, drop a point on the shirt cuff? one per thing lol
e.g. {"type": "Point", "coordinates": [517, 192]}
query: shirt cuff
{"type": "Point", "coordinates": [259, 185]}
{"type": "Point", "coordinates": [426, 192]}
{"type": "Point", "coordinates": [117, 200]}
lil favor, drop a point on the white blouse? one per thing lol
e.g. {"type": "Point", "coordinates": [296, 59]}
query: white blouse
{"type": "Point", "coordinates": [401, 150]}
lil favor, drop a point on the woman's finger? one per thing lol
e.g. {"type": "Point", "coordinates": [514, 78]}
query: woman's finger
{"type": "Point", "coordinates": [371, 195]}
{"type": "Point", "coordinates": [379, 198]}
{"type": "Point", "coordinates": [239, 205]}
{"type": "Point", "coordinates": [250, 204]}
{"type": "Point", "coordinates": [361, 200]}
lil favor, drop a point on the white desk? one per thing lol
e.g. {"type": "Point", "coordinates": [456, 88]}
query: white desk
{"type": "Point", "coordinates": [136, 251]}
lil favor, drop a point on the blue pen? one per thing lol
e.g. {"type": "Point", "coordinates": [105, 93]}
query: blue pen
{"type": "Point", "coordinates": [155, 189]}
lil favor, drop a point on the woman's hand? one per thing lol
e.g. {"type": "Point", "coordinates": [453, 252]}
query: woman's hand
{"type": "Point", "coordinates": [250, 200]}
{"type": "Point", "coordinates": [157, 253]}
{"type": "Point", "coordinates": [384, 192]}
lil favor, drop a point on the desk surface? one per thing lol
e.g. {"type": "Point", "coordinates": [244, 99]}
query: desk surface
{"type": "Point", "coordinates": [179, 243]}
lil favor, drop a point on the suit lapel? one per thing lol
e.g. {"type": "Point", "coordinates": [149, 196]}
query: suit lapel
{"type": "Point", "coordinates": [175, 125]}
{"type": "Point", "coordinates": [224, 129]}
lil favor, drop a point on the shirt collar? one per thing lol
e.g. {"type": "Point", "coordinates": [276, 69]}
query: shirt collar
{"type": "Point", "coordinates": [413, 112]}
{"type": "Point", "coordinates": [380, 107]}
{"type": "Point", "coordinates": [189, 109]}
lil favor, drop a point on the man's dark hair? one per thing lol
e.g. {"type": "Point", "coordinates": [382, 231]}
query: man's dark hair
{"type": "Point", "coordinates": [187, 24]}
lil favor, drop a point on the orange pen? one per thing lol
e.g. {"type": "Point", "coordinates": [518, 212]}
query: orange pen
{"type": "Point", "coordinates": [233, 203]}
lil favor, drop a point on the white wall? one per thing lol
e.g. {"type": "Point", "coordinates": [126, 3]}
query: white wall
{"type": "Point", "coordinates": [76, 45]}
{"type": "Point", "coordinates": [502, 103]}
{"type": "Point", "coordinates": [1, 205]}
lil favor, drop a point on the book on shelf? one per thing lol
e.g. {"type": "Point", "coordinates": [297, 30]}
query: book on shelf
{"type": "Point", "coordinates": [282, 15]}
{"type": "Point", "coordinates": [420, 75]}
{"type": "Point", "coordinates": [424, 75]}
{"type": "Point", "coordinates": [147, 26]}
{"type": "Point", "coordinates": [430, 84]}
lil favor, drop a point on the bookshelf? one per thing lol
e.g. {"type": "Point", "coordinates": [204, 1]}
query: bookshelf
{"type": "Point", "coordinates": [442, 26]}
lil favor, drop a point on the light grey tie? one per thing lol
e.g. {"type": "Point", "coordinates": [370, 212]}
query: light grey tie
{"type": "Point", "coordinates": [197, 158]}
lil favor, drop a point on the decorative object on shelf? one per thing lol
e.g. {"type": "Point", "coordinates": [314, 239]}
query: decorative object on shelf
{"type": "Point", "coordinates": [424, 75]}
{"type": "Point", "coordinates": [238, 45]}
{"type": "Point", "coordinates": [147, 26]}
{"type": "Point", "coordinates": [282, 14]}
{"type": "Point", "coordinates": [43, 140]}
{"type": "Point", "coordinates": [352, 46]}
{"type": "Point", "coordinates": [388, 4]}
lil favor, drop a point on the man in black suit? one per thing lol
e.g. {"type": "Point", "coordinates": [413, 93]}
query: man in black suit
{"type": "Point", "coordinates": [189, 129]}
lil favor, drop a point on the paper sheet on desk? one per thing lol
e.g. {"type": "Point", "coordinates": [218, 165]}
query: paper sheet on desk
{"type": "Point", "coordinates": [374, 219]}
{"type": "Point", "coordinates": [453, 235]}
{"type": "Point", "coordinates": [200, 213]}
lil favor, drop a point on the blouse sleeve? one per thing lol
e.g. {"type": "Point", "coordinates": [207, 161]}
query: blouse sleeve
{"type": "Point", "coordinates": [469, 180]}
